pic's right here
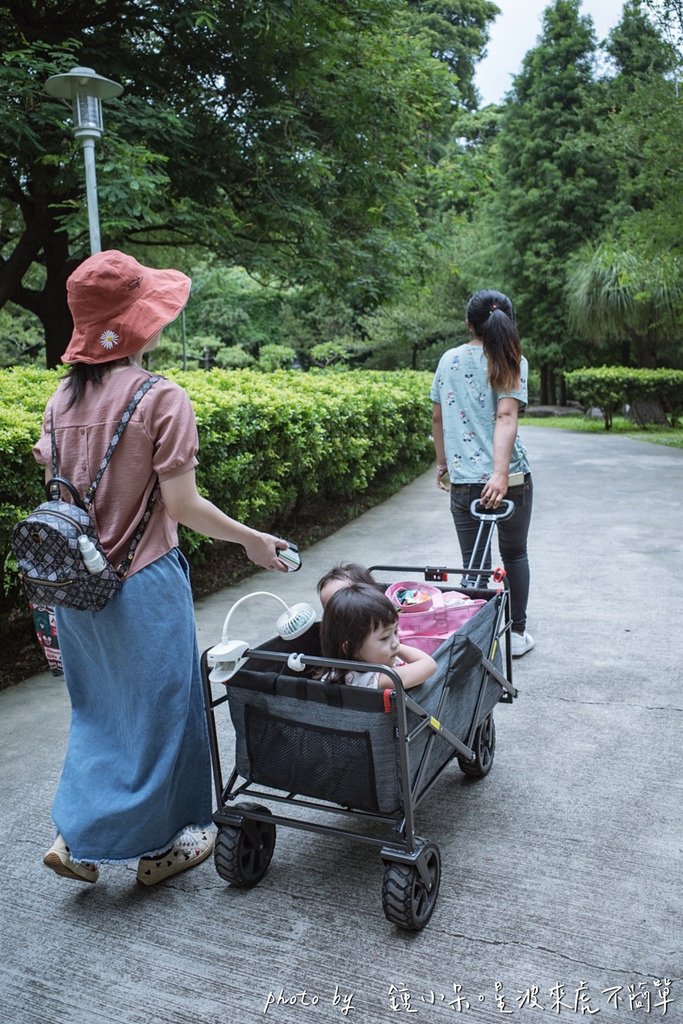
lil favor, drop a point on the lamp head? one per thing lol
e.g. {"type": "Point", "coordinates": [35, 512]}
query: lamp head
{"type": "Point", "coordinates": [86, 90]}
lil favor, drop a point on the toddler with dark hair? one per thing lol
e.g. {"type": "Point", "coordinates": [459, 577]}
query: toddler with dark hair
{"type": "Point", "coordinates": [341, 576]}
{"type": "Point", "coordinates": [361, 624]}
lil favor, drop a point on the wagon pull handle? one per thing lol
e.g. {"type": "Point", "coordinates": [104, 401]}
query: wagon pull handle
{"type": "Point", "coordinates": [504, 511]}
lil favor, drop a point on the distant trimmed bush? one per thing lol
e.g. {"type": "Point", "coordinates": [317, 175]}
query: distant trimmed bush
{"type": "Point", "coordinates": [609, 388]}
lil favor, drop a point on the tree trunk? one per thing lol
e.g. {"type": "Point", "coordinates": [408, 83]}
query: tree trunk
{"type": "Point", "coordinates": [54, 310]}
{"type": "Point", "coordinates": [49, 305]}
{"type": "Point", "coordinates": [58, 326]}
{"type": "Point", "coordinates": [548, 395]}
{"type": "Point", "coordinates": [544, 385]}
{"type": "Point", "coordinates": [644, 411]}
{"type": "Point", "coordinates": [645, 349]}
{"type": "Point", "coordinates": [646, 355]}
{"type": "Point", "coordinates": [561, 390]}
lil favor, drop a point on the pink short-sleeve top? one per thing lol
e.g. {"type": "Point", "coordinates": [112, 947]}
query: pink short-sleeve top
{"type": "Point", "coordinates": [159, 442]}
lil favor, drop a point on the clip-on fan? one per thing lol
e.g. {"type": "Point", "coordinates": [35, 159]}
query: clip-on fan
{"type": "Point", "coordinates": [228, 656]}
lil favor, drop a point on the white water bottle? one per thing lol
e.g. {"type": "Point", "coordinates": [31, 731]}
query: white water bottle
{"type": "Point", "coordinates": [94, 560]}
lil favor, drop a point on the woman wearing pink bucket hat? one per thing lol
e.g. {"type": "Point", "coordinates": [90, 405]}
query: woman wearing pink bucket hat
{"type": "Point", "coordinates": [136, 782]}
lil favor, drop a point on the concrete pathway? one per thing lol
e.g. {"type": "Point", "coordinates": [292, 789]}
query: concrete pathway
{"type": "Point", "coordinates": [561, 886]}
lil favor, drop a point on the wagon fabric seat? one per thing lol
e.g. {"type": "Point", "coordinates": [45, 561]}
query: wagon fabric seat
{"type": "Point", "coordinates": [338, 743]}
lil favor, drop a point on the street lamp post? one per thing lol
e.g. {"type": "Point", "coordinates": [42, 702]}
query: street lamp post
{"type": "Point", "coordinates": [86, 90]}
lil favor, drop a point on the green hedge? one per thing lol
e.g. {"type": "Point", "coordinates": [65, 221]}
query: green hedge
{"type": "Point", "coordinates": [270, 444]}
{"type": "Point", "coordinates": [611, 387]}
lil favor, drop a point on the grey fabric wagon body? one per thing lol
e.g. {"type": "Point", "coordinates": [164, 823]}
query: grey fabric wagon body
{"type": "Point", "coordinates": [338, 743]}
{"type": "Point", "coordinates": [314, 751]}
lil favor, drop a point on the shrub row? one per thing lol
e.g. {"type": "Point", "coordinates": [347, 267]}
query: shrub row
{"type": "Point", "coordinates": [270, 444]}
{"type": "Point", "coordinates": [609, 388]}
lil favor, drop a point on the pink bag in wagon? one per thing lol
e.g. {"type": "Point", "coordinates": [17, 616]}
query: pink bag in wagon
{"type": "Point", "coordinates": [427, 615]}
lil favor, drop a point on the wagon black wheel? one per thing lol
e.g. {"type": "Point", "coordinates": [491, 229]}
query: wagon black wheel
{"type": "Point", "coordinates": [484, 746]}
{"type": "Point", "coordinates": [407, 899]}
{"type": "Point", "coordinates": [242, 853]}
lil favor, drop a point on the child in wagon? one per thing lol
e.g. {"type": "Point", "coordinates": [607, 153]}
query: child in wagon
{"type": "Point", "coordinates": [361, 624]}
{"type": "Point", "coordinates": [342, 575]}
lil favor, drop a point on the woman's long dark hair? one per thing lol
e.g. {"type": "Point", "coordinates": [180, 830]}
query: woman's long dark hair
{"type": "Point", "coordinates": [80, 374]}
{"type": "Point", "coordinates": [350, 614]}
{"type": "Point", "coordinates": [491, 317]}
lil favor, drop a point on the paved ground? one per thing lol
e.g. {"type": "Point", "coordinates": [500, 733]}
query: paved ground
{"type": "Point", "coordinates": [561, 869]}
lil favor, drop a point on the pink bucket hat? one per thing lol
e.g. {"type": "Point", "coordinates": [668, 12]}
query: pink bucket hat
{"type": "Point", "coordinates": [118, 306]}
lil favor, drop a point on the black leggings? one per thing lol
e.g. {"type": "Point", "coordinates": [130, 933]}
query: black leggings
{"type": "Point", "coordinates": [512, 538]}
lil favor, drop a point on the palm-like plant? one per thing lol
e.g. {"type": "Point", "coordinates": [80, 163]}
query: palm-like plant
{"type": "Point", "coordinates": [624, 295]}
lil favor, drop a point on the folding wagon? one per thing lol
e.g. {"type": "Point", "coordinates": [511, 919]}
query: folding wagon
{"type": "Point", "coordinates": [309, 753]}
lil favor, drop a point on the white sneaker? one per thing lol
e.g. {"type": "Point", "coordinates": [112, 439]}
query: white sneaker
{"type": "Point", "coordinates": [58, 857]}
{"type": "Point", "coordinates": [520, 643]}
{"type": "Point", "coordinates": [189, 849]}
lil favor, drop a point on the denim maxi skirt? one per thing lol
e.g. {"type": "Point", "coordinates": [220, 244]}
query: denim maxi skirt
{"type": "Point", "coordinates": [137, 768]}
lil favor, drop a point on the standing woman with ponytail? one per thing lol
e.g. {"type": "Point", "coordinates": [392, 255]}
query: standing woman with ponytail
{"type": "Point", "coordinates": [477, 392]}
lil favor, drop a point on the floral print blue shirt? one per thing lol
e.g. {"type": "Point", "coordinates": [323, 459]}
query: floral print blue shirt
{"type": "Point", "coordinates": [468, 410]}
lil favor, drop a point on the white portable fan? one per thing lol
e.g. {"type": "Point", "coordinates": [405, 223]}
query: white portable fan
{"type": "Point", "coordinates": [226, 657]}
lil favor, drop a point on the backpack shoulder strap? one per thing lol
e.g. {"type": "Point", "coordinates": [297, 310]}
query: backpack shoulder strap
{"type": "Point", "coordinates": [53, 440]}
{"type": "Point", "coordinates": [54, 484]}
{"type": "Point", "coordinates": [125, 564]}
{"type": "Point", "coordinates": [89, 496]}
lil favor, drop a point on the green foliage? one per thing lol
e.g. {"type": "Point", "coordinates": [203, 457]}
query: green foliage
{"type": "Point", "coordinates": [235, 307]}
{"type": "Point", "coordinates": [671, 437]}
{"type": "Point", "coordinates": [463, 176]}
{"type": "Point", "coordinates": [333, 353]}
{"type": "Point", "coordinates": [268, 325]}
{"type": "Point", "coordinates": [553, 187]}
{"type": "Point", "coordinates": [414, 332]}
{"type": "Point", "coordinates": [667, 15]}
{"type": "Point", "coordinates": [534, 386]}
{"type": "Point", "coordinates": [628, 296]}
{"type": "Point", "coordinates": [637, 48]}
{"type": "Point", "coordinates": [270, 444]}
{"type": "Point", "coordinates": [457, 34]}
{"type": "Point", "coordinates": [234, 358]}
{"type": "Point", "coordinates": [644, 137]}
{"type": "Point", "coordinates": [21, 340]}
{"type": "Point", "coordinates": [276, 357]}
{"type": "Point", "coordinates": [609, 388]}
{"type": "Point", "coordinates": [290, 138]}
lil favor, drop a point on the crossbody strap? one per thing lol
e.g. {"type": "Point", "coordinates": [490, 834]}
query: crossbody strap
{"type": "Point", "coordinates": [55, 467]}
{"type": "Point", "coordinates": [124, 566]}
{"type": "Point", "coordinates": [89, 495]}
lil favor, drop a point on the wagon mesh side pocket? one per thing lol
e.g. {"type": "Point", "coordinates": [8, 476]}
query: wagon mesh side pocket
{"type": "Point", "coordinates": [311, 760]}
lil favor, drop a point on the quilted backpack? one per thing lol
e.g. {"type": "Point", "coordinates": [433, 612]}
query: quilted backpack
{"type": "Point", "coordinates": [58, 552]}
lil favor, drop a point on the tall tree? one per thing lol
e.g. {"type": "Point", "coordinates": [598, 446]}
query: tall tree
{"type": "Point", "coordinates": [627, 289]}
{"type": "Point", "coordinates": [282, 135]}
{"type": "Point", "coordinates": [553, 185]}
{"type": "Point", "coordinates": [457, 31]}
{"type": "Point", "coordinates": [667, 15]}
{"type": "Point", "coordinates": [644, 134]}
{"type": "Point", "coordinates": [637, 48]}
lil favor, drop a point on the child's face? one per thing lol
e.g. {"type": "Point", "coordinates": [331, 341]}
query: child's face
{"type": "Point", "coordinates": [380, 646]}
